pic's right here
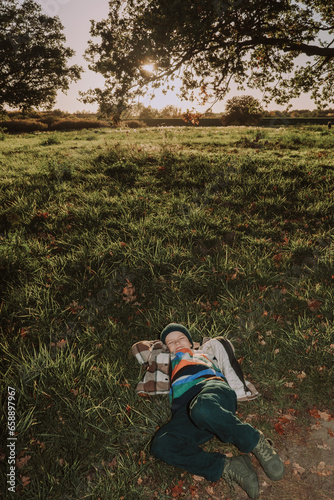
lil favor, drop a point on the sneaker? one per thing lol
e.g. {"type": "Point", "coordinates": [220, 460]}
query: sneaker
{"type": "Point", "coordinates": [269, 459]}
{"type": "Point", "coordinates": [240, 470]}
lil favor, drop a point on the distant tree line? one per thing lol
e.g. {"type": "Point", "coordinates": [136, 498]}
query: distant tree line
{"type": "Point", "coordinates": [239, 110]}
{"type": "Point", "coordinates": [142, 112]}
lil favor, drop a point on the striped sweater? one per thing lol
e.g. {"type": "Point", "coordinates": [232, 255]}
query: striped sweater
{"type": "Point", "coordinates": [154, 356]}
{"type": "Point", "coordinates": [189, 369]}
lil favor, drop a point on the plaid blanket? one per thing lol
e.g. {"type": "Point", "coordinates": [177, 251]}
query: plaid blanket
{"type": "Point", "coordinates": [155, 357]}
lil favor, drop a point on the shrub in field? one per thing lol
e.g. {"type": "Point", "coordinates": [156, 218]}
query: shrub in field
{"type": "Point", "coordinates": [49, 119]}
{"type": "Point", "coordinates": [19, 126]}
{"type": "Point", "coordinates": [50, 140]}
{"type": "Point", "coordinates": [242, 110]}
{"type": "Point", "coordinates": [77, 124]}
{"type": "Point", "coordinates": [134, 124]}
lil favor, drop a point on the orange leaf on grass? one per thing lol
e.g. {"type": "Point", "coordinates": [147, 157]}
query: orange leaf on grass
{"type": "Point", "coordinates": [279, 429]}
{"type": "Point", "coordinates": [313, 304]}
{"type": "Point", "coordinates": [41, 444]}
{"type": "Point", "coordinates": [25, 480]}
{"type": "Point", "coordinates": [177, 490]}
{"type": "Point", "coordinates": [60, 344]}
{"type": "Point", "coordinates": [278, 257]}
{"type": "Point", "coordinates": [129, 292]}
{"type": "Point", "coordinates": [21, 462]}
{"type": "Point", "coordinates": [314, 413]}
{"type": "Point", "coordinates": [194, 490]}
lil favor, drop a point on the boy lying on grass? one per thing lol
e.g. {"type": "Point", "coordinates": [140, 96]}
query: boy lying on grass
{"type": "Point", "coordinates": [204, 405]}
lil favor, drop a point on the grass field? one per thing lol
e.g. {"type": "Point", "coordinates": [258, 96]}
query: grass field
{"type": "Point", "coordinates": [106, 236]}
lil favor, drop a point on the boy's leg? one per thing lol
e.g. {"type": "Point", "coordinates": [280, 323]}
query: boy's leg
{"type": "Point", "coordinates": [178, 443]}
{"type": "Point", "coordinates": [213, 410]}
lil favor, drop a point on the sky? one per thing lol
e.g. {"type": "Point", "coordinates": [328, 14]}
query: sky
{"type": "Point", "coordinates": [75, 16]}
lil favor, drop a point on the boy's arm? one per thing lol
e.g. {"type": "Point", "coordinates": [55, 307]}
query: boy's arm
{"type": "Point", "coordinates": [156, 357]}
{"type": "Point", "coordinates": [142, 350]}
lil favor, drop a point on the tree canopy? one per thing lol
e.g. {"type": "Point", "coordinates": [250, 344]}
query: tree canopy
{"type": "Point", "coordinates": [242, 110]}
{"type": "Point", "coordinates": [282, 47]}
{"type": "Point", "coordinates": [33, 56]}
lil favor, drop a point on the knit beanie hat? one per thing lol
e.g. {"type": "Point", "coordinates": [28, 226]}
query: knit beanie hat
{"type": "Point", "coordinates": [175, 327]}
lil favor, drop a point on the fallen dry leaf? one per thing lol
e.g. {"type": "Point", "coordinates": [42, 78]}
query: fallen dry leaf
{"type": "Point", "coordinates": [197, 478]}
{"type": "Point", "coordinates": [297, 469]}
{"type": "Point", "coordinates": [129, 292]}
{"type": "Point", "coordinates": [178, 489]}
{"type": "Point", "coordinates": [323, 446]}
{"type": "Point", "coordinates": [25, 480]}
{"type": "Point", "coordinates": [325, 416]}
{"type": "Point", "coordinates": [265, 485]}
{"type": "Point", "coordinates": [287, 417]}
{"type": "Point", "coordinates": [314, 413]}
{"type": "Point", "coordinates": [313, 305]}
{"type": "Point", "coordinates": [193, 490]}
{"type": "Point", "coordinates": [61, 343]}
{"type": "Point", "coordinates": [322, 469]}
{"type": "Point", "coordinates": [21, 462]}
{"type": "Point", "coordinates": [279, 429]}
{"type": "Point", "coordinates": [210, 491]}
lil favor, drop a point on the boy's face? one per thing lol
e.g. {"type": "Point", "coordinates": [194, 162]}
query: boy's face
{"type": "Point", "coordinates": [176, 341]}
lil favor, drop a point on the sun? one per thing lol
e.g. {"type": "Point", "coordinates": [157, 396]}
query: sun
{"type": "Point", "coordinates": [149, 67]}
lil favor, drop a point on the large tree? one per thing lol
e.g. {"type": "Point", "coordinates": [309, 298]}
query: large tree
{"type": "Point", "coordinates": [209, 43]}
{"type": "Point", "coordinates": [33, 56]}
{"type": "Point", "coordinates": [242, 110]}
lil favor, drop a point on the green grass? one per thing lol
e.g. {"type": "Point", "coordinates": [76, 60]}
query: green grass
{"type": "Point", "coordinates": [228, 230]}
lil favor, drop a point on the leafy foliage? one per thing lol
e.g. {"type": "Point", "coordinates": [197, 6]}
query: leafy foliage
{"type": "Point", "coordinates": [255, 42]}
{"type": "Point", "coordinates": [33, 55]}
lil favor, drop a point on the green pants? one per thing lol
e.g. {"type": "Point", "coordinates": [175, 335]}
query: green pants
{"type": "Point", "coordinates": [210, 413]}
